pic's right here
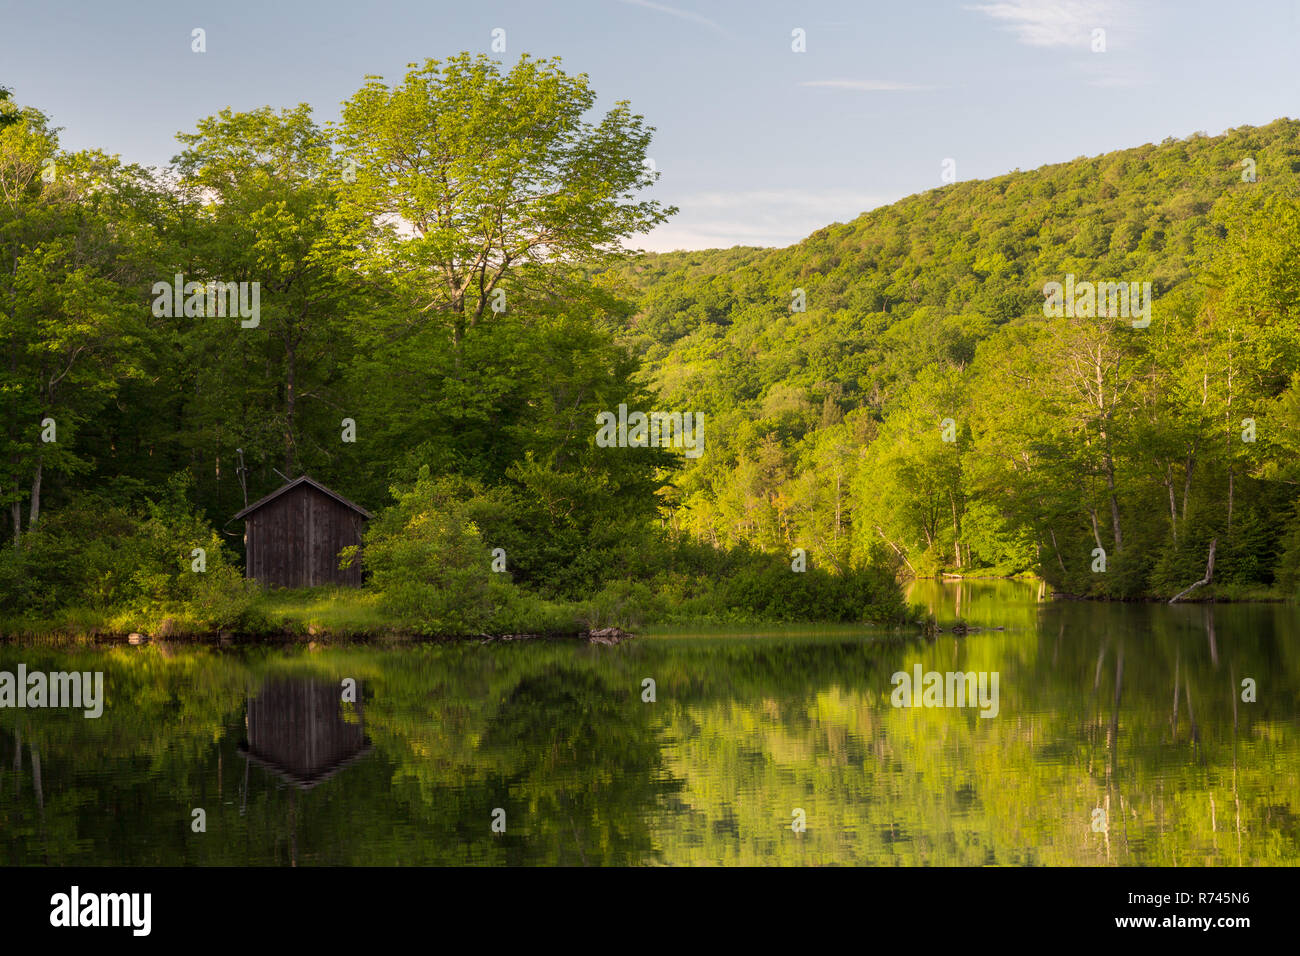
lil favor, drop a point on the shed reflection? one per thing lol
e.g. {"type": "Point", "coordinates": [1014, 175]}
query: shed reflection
{"type": "Point", "coordinates": [299, 729]}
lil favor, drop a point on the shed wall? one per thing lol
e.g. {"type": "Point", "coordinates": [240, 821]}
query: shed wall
{"type": "Point", "coordinates": [294, 541]}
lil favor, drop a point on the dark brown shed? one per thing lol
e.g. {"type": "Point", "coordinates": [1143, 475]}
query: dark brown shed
{"type": "Point", "coordinates": [293, 536]}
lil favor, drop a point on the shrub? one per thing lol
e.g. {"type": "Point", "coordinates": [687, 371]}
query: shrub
{"type": "Point", "coordinates": [135, 566]}
{"type": "Point", "coordinates": [428, 560]}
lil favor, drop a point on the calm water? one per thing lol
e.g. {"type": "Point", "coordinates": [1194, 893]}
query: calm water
{"type": "Point", "coordinates": [1133, 710]}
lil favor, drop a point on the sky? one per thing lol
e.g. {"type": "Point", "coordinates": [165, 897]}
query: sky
{"type": "Point", "coordinates": [756, 143]}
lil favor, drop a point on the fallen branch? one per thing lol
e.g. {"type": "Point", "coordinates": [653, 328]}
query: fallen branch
{"type": "Point", "coordinates": [1209, 573]}
{"type": "Point", "coordinates": [897, 550]}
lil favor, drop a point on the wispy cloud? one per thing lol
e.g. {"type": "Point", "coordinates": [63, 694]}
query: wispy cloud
{"type": "Point", "coordinates": [1050, 23]}
{"type": "Point", "coordinates": [760, 217]}
{"type": "Point", "coordinates": [868, 86]}
{"type": "Point", "coordinates": [680, 14]}
{"type": "Point", "coordinates": [1109, 78]}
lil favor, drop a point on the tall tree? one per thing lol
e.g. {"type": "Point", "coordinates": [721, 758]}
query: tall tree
{"type": "Point", "coordinates": [480, 177]}
{"type": "Point", "coordinates": [70, 312]}
{"type": "Point", "coordinates": [265, 187]}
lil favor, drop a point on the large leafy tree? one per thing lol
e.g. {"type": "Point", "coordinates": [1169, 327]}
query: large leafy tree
{"type": "Point", "coordinates": [479, 177]}
{"type": "Point", "coordinates": [264, 187]}
{"type": "Point", "coordinates": [485, 197]}
{"type": "Point", "coordinates": [70, 316]}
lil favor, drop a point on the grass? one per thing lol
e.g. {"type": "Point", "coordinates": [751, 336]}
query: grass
{"type": "Point", "coordinates": [350, 613]}
{"type": "Point", "coordinates": [339, 612]}
{"type": "Point", "coordinates": [766, 629]}
{"type": "Point", "coordinates": [325, 611]}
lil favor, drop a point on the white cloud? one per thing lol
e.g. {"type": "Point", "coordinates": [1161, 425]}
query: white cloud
{"type": "Point", "coordinates": [680, 14]}
{"type": "Point", "coordinates": [765, 217]}
{"type": "Point", "coordinates": [869, 86]}
{"type": "Point", "coordinates": [1050, 23]}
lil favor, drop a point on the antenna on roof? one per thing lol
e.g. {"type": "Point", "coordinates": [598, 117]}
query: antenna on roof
{"type": "Point", "coordinates": [241, 471]}
{"type": "Point", "coordinates": [282, 475]}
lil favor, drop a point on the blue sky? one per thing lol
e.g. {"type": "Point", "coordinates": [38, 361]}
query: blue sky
{"type": "Point", "coordinates": [757, 144]}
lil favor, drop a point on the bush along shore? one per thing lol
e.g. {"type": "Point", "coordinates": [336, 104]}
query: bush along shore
{"type": "Point", "coordinates": [105, 572]}
{"type": "Point", "coordinates": [101, 572]}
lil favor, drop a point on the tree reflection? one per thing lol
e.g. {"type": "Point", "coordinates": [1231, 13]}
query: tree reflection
{"type": "Point", "coordinates": [584, 766]}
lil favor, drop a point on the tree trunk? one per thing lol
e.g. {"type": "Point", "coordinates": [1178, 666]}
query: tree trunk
{"type": "Point", "coordinates": [1230, 491]}
{"type": "Point", "coordinates": [1114, 502]}
{"type": "Point", "coordinates": [1173, 510]}
{"type": "Point", "coordinates": [837, 507]}
{"type": "Point", "coordinates": [290, 408]}
{"type": "Point", "coordinates": [1209, 575]}
{"type": "Point", "coordinates": [897, 549]}
{"type": "Point", "coordinates": [1228, 423]}
{"type": "Point", "coordinates": [956, 529]}
{"type": "Point", "coordinates": [1057, 548]}
{"type": "Point", "coordinates": [457, 328]}
{"type": "Point", "coordinates": [35, 511]}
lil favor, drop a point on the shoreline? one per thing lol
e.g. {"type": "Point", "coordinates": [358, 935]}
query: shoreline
{"type": "Point", "coordinates": [358, 624]}
{"type": "Point", "coordinates": [1209, 595]}
{"type": "Point", "coordinates": [316, 637]}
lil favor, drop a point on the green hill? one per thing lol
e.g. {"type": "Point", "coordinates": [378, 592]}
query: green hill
{"type": "Point", "coordinates": [1071, 434]}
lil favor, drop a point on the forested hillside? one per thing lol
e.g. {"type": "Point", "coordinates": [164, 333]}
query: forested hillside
{"type": "Point", "coordinates": [1070, 436]}
{"type": "Point", "coordinates": [430, 308]}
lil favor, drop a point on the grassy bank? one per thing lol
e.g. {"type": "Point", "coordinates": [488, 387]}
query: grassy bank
{"type": "Point", "coordinates": [349, 613]}
{"type": "Point", "coordinates": [326, 612]}
{"type": "Point", "coordinates": [161, 570]}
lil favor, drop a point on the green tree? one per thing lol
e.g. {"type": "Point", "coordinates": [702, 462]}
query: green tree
{"type": "Point", "coordinates": [264, 187]}
{"type": "Point", "coordinates": [70, 316]}
{"type": "Point", "coordinates": [480, 179]}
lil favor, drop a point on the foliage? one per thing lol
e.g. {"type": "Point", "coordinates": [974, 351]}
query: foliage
{"type": "Point", "coordinates": [427, 558]}
{"type": "Point", "coordinates": [922, 415]}
{"type": "Point", "coordinates": [137, 565]}
{"type": "Point", "coordinates": [1068, 434]}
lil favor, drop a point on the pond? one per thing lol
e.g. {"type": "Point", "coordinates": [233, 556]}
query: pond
{"type": "Point", "coordinates": [1123, 734]}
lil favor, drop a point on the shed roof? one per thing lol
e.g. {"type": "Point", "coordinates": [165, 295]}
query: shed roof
{"type": "Point", "coordinates": [294, 484]}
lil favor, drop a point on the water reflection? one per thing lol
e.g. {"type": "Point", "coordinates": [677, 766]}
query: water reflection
{"type": "Point", "coordinates": [1138, 711]}
{"type": "Point", "coordinates": [591, 764]}
{"type": "Point", "coordinates": [298, 730]}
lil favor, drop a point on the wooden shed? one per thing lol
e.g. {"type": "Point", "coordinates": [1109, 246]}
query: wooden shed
{"type": "Point", "coordinates": [293, 536]}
